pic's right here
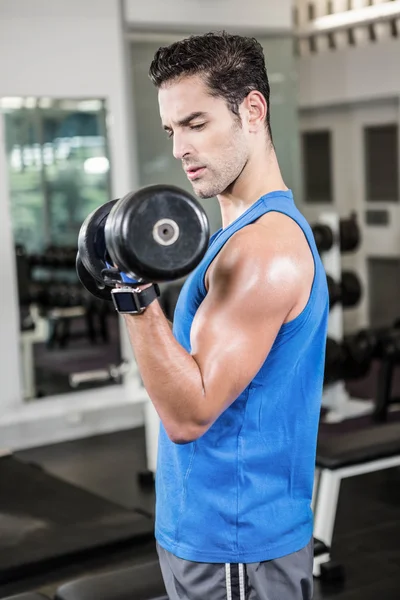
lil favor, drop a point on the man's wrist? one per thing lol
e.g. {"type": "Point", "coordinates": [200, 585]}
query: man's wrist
{"type": "Point", "coordinates": [134, 300]}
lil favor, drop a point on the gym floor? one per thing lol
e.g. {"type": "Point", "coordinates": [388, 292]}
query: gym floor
{"type": "Point", "coordinates": [367, 533]}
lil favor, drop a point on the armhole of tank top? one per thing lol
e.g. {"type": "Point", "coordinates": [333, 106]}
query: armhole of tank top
{"type": "Point", "coordinates": [303, 315]}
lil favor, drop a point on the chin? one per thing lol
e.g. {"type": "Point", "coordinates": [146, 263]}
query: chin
{"type": "Point", "coordinates": [204, 193]}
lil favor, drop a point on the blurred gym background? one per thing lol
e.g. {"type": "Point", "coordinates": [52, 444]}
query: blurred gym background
{"type": "Point", "coordinates": [79, 125]}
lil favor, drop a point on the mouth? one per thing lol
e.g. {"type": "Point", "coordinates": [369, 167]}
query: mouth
{"type": "Point", "coordinates": [195, 172]}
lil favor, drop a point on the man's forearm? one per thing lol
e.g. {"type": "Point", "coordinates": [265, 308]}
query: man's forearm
{"type": "Point", "coordinates": [170, 375]}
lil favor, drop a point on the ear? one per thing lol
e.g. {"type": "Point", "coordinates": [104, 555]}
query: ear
{"type": "Point", "coordinates": [256, 108]}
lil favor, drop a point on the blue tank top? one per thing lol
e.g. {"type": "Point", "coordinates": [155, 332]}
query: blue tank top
{"type": "Point", "coordinates": [242, 492]}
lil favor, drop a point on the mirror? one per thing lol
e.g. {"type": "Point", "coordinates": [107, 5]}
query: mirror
{"type": "Point", "coordinates": [58, 172]}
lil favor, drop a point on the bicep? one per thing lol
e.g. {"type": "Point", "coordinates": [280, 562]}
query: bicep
{"type": "Point", "coordinates": [232, 334]}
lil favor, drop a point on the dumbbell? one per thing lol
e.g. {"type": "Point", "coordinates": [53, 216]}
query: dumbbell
{"type": "Point", "coordinates": [348, 292]}
{"type": "Point", "coordinates": [388, 345]}
{"type": "Point", "coordinates": [323, 236]}
{"type": "Point", "coordinates": [349, 235]}
{"type": "Point", "coordinates": [335, 358]}
{"type": "Point", "coordinates": [157, 234]}
{"type": "Point", "coordinates": [351, 358]}
{"type": "Point", "coordinates": [359, 349]}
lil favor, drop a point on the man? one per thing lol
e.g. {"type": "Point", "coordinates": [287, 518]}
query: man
{"type": "Point", "coordinates": [238, 382]}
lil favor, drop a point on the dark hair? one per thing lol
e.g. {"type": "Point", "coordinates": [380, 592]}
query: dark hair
{"type": "Point", "coordinates": [232, 66]}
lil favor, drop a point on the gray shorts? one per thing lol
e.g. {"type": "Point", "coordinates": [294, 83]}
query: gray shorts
{"type": "Point", "coordinates": [286, 578]}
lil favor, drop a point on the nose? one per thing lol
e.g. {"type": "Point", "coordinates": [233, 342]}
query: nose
{"type": "Point", "coordinates": [181, 147]}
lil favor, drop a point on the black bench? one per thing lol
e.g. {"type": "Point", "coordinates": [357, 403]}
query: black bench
{"type": "Point", "coordinates": [361, 450]}
{"type": "Point", "coordinates": [140, 582]}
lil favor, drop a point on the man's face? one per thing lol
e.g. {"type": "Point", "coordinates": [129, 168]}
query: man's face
{"type": "Point", "coordinates": [207, 137]}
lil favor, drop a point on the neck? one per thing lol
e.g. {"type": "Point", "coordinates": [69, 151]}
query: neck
{"type": "Point", "coordinates": [260, 176]}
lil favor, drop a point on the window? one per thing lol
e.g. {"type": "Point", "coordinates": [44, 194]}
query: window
{"type": "Point", "coordinates": [58, 172]}
{"type": "Point", "coordinates": [317, 166]}
{"type": "Point", "coordinates": [57, 165]}
{"type": "Point", "coordinates": [381, 163]}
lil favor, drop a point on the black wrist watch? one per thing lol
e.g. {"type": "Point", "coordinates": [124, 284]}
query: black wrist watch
{"type": "Point", "coordinates": [133, 300]}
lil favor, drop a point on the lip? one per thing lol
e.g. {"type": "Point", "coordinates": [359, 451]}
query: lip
{"type": "Point", "coordinates": [194, 173]}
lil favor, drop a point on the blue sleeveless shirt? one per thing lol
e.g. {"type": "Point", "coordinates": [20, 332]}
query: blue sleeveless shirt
{"type": "Point", "coordinates": [241, 493]}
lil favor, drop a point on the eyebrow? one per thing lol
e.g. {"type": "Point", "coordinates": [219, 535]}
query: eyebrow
{"type": "Point", "coordinates": [186, 120]}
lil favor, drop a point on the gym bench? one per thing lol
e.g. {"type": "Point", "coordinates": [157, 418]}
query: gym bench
{"type": "Point", "coordinates": [375, 447]}
{"type": "Point", "coordinates": [140, 582]}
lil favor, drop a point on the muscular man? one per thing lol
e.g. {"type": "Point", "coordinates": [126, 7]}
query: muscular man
{"type": "Point", "coordinates": [237, 383]}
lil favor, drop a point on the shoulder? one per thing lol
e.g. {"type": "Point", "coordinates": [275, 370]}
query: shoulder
{"type": "Point", "coordinates": [274, 247]}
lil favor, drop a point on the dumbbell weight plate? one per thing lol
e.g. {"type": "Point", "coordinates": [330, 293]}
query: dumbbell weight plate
{"type": "Point", "coordinates": [334, 291]}
{"type": "Point", "coordinates": [91, 242]}
{"type": "Point", "coordinates": [350, 235]}
{"type": "Point", "coordinates": [334, 361]}
{"type": "Point", "coordinates": [159, 233]}
{"type": "Point", "coordinates": [323, 236]}
{"type": "Point", "coordinates": [351, 290]}
{"type": "Point", "coordinates": [359, 348]}
{"type": "Point", "coordinates": [90, 283]}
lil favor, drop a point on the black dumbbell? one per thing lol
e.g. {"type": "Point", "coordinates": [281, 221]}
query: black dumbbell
{"type": "Point", "coordinates": [323, 236]}
{"type": "Point", "coordinates": [335, 357]}
{"type": "Point", "coordinates": [90, 283]}
{"type": "Point", "coordinates": [351, 289]}
{"type": "Point", "coordinates": [388, 345]}
{"type": "Point", "coordinates": [157, 234]}
{"type": "Point", "coordinates": [350, 235]}
{"type": "Point", "coordinates": [348, 292]}
{"type": "Point", "coordinates": [334, 290]}
{"type": "Point", "coordinates": [359, 349]}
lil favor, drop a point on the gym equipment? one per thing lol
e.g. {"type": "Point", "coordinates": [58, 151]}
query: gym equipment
{"type": "Point", "coordinates": [90, 283]}
{"type": "Point", "coordinates": [352, 357]}
{"type": "Point", "coordinates": [335, 357]}
{"type": "Point", "coordinates": [340, 455]}
{"type": "Point", "coordinates": [157, 234]}
{"type": "Point", "coordinates": [345, 292]}
{"type": "Point", "coordinates": [334, 290]}
{"type": "Point", "coordinates": [113, 373]}
{"type": "Point", "coordinates": [57, 257]}
{"type": "Point", "coordinates": [48, 522]}
{"type": "Point", "coordinates": [348, 292]}
{"type": "Point", "coordinates": [388, 350]}
{"type": "Point", "coordinates": [359, 350]}
{"type": "Point", "coordinates": [91, 242]}
{"type": "Point", "coordinates": [140, 582]}
{"type": "Point", "coordinates": [348, 235]}
{"type": "Point", "coordinates": [323, 236]}
{"type": "Point", "coordinates": [27, 596]}
{"type": "Point", "coordinates": [351, 291]}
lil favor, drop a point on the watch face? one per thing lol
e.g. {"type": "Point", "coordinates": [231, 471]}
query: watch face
{"type": "Point", "coordinates": [125, 302]}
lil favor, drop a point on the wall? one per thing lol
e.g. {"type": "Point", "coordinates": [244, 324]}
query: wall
{"type": "Point", "coordinates": [268, 16]}
{"type": "Point", "coordinates": [61, 49]}
{"type": "Point", "coordinates": [350, 75]}
{"type": "Point", "coordinates": [345, 91]}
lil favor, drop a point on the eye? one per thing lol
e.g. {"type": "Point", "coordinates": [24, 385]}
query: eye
{"type": "Point", "coordinates": [170, 134]}
{"type": "Point", "coordinates": [197, 127]}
